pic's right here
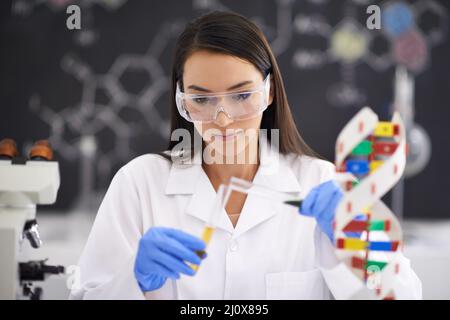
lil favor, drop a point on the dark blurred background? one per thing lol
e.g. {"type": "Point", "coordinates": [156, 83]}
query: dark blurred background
{"type": "Point", "coordinates": [100, 94]}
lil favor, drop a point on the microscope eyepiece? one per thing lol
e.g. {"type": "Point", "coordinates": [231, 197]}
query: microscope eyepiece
{"type": "Point", "coordinates": [41, 150]}
{"type": "Point", "coordinates": [8, 149]}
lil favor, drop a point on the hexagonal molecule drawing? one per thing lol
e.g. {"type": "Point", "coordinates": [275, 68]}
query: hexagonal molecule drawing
{"type": "Point", "coordinates": [74, 130]}
{"type": "Point", "coordinates": [351, 43]}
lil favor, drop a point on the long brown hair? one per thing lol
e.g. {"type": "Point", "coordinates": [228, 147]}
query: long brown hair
{"type": "Point", "coordinates": [235, 35]}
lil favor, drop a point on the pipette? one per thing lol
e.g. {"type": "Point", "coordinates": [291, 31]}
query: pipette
{"type": "Point", "coordinates": [248, 187]}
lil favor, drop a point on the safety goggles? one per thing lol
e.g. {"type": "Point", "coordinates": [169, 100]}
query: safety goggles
{"type": "Point", "coordinates": [239, 105]}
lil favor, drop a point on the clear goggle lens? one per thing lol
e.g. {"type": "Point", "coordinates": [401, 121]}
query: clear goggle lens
{"type": "Point", "coordinates": [236, 105]}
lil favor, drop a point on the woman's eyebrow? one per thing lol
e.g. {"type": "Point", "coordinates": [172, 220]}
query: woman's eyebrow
{"type": "Point", "coordinates": [236, 86]}
{"type": "Point", "coordinates": [240, 84]}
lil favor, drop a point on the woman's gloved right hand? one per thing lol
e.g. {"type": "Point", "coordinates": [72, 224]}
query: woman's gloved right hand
{"type": "Point", "coordinates": [163, 253]}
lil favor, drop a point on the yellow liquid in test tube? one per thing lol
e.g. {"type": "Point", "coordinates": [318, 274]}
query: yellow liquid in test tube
{"type": "Point", "coordinates": [206, 236]}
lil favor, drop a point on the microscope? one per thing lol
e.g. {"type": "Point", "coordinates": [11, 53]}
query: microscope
{"type": "Point", "coordinates": [24, 183]}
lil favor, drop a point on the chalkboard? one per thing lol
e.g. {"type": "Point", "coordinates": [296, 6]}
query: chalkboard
{"type": "Point", "coordinates": [106, 85]}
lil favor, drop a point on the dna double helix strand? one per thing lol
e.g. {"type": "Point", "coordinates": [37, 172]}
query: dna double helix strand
{"type": "Point", "coordinates": [370, 159]}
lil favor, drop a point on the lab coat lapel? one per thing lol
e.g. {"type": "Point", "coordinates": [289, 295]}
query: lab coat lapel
{"type": "Point", "coordinates": [192, 179]}
{"type": "Point", "coordinates": [274, 173]}
{"type": "Point", "coordinates": [202, 204]}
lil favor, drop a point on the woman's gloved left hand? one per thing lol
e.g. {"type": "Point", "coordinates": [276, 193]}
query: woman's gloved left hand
{"type": "Point", "coordinates": [321, 204]}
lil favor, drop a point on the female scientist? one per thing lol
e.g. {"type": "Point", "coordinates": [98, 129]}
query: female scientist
{"type": "Point", "coordinates": [225, 83]}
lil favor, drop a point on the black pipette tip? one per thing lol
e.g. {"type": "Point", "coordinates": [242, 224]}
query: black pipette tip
{"type": "Point", "coordinates": [295, 203]}
{"type": "Point", "coordinates": [201, 254]}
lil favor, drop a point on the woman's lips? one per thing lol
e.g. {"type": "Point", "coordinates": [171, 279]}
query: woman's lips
{"type": "Point", "coordinates": [228, 136]}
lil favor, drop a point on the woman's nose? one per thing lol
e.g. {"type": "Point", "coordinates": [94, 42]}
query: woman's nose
{"type": "Point", "coordinates": [222, 119]}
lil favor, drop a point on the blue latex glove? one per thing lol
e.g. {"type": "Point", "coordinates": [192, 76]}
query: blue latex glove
{"type": "Point", "coordinates": [161, 255]}
{"type": "Point", "coordinates": [321, 204]}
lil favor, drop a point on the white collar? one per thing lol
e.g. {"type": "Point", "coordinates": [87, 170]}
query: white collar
{"type": "Point", "coordinates": [274, 172]}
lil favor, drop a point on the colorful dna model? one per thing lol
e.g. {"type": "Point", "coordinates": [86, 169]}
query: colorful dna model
{"type": "Point", "coordinates": [370, 159]}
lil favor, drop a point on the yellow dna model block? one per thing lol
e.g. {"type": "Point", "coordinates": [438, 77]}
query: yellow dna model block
{"type": "Point", "coordinates": [384, 129]}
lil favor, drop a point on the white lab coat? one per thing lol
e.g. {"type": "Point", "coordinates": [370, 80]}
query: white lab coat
{"type": "Point", "coordinates": [273, 253]}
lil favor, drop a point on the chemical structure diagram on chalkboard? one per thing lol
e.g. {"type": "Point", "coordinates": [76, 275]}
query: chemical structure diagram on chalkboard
{"type": "Point", "coordinates": [349, 44]}
{"type": "Point", "coordinates": [89, 116]}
